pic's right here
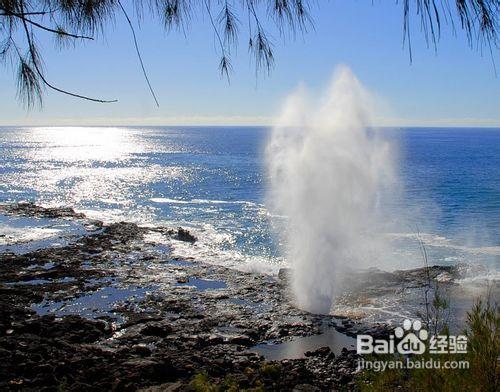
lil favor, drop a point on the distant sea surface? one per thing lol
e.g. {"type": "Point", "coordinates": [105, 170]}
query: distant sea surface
{"type": "Point", "coordinates": [213, 181]}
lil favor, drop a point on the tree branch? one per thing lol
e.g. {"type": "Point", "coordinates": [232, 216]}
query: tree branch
{"type": "Point", "coordinates": [5, 13]}
{"type": "Point", "coordinates": [22, 16]}
{"type": "Point", "coordinates": [40, 74]}
{"type": "Point", "coordinates": [139, 53]}
{"type": "Point", "coordinates": [225, 64]}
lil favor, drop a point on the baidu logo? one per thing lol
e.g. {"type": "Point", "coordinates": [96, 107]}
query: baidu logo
{"type": "Point", "coordinates": [408, 340]}
{"type": "Point", "coordinates": [412, 337]}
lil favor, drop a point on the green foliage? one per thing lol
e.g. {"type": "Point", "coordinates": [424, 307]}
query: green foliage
{"type": "Point", "coordinates": [436, 321]}
{"type": "Point", "coordinates": [270, 370]}
{"type": "Point", "coordinates": [484, 344]}
{"type": "Point", "coordinates": [202, 383]}
{"type": "Point", "coordinates": [22, 21]}
{"type": "Point", "coordinates": [483, 351]}
{"type": "Point", "coordinates": [253, 380]}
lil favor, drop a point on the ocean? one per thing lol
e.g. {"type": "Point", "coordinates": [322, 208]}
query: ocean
{"type": "Point", "coordinates": [213, 181]}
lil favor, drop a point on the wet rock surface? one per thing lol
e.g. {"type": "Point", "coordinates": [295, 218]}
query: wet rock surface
{"type": "Point", "coordinates": [109, 311]}
{"type": "Point", "coordinates": [33, 210]}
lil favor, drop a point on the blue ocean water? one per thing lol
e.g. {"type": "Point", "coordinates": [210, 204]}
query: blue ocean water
{"type": "Point", "coordinates": [213, 180]}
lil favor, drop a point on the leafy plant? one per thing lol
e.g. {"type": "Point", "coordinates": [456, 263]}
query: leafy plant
{"type": "Point", "coordinates": [22, 22]}
{"type": "Point", "coordinates": [480, 374]}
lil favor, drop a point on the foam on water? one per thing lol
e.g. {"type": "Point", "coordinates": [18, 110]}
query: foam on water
{"type": "Point", "coordinates": [203, 201]}
{"type": "Point", "coordinates": [26, 234]}
{"type": "Point", "coordinates": [443, 242]}
{"type": "Point", "coordinates": [214, 246]}
{"type": "Point", "coordinates": [212, 181]}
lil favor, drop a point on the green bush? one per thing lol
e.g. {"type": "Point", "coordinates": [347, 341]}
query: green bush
{"type": "Point", "coordinates": [483, 351]}
{"type": "Point", "coordinates": [203, 383]}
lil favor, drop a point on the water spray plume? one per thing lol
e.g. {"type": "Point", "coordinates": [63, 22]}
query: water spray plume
{"type": "Point", "coordinates": [328, 173]}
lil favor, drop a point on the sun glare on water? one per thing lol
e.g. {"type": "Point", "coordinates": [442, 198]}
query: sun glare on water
{"type": "Point", "coordinates": [87, 167]}
{"type": "Point", "coordinates": [84, 143]}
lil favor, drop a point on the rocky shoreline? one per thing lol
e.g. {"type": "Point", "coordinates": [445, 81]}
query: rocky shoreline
{"type": "Point", "coordinates": [164, 324]}
{"type": "Point", "coordinates": [112, 310]}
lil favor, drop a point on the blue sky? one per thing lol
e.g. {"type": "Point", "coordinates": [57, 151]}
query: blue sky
{"type": "Point", "coordinates": [455, 87]}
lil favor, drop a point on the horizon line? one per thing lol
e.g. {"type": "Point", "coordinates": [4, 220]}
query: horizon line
{"type": "Point", "coordinates": [235, 125]}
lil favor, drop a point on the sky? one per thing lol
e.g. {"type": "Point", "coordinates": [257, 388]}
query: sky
{"type": "Point", "coordinates": [457, 86]}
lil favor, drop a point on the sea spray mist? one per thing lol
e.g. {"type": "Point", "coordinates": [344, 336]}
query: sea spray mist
{"type": "Point", "coordinates": [329, 173]}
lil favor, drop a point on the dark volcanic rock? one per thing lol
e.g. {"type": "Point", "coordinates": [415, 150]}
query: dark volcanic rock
{"type": "Point", "coordinates": [32, 210]}
{"type": "Point", "coordinates": [285, 274]}
{"type": "Point", "coordinates": [159, 329]}
{"type": "Point", "coordinates": [321, 352]}
{"type": "Point", "coordinates": [74, 329]}
{"type": "Point", "coordinates": [185, 235]}
{"type": "Point", "coordinates": [147, 332]}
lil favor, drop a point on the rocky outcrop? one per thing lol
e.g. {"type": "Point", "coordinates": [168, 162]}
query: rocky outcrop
{"type": "Point", "coordinates": [107, 312]}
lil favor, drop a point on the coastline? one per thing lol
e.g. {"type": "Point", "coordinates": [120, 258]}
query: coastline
{"type": "Point", "coordinates": [110, 309]}
{"type": "Point", "coordinates": [185, 319]}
